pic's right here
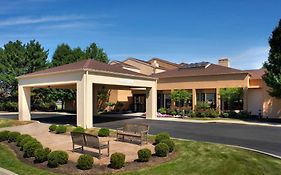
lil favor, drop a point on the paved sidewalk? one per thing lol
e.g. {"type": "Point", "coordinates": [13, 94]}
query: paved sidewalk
{"type": "Point", "coordinates": [63, 142]}
{"type": "Point", "coordinates": [6, 172]}
{"type": "Point", "coordinates": [220, 121]}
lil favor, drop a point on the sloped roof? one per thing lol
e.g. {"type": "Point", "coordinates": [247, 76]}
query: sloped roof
{"type": "Point", "coordinates": [164, 61]}
{"type": "Point", "coordinates": [88, 64]}
{"type": "Point", "coordinates": [211, 69]}
{"type": "Point", "coordinates": [123, 64]}
{"type": "Point", "coordinates": [144, 62]}
{"type": "Point", "coordinates": [256, 73]}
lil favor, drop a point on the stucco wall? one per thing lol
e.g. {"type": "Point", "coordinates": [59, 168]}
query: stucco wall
{"type": "Point", "coordinates": [255, 101]}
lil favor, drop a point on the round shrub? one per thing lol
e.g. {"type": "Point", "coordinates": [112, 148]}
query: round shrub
{"type": "Point", "coordinates": [78, 129]}
{"type": "Point", "coordinates": [85, 162]}
{"type": "Point", "coordinates": [161, 149]}
{"type": "Point", "coordinates": [103, 132]}
{"type": "Point", "coordinates": [30, 147]}
{"type": "Point", "coordinates": [144, 155]}
{"type": "Point", "coordinates": [161, 136]}
{"type": "Point", "coordinates": [117, 160]}
{"type": "Point", "coordinates": [4, 135]}
{"type": "Point", "coordinates": [25, 140]}
{"type": "Point", "coordinates": [60, 129]}
{"type": "Point", "coordinates": [20, 138]}
{"type": "Point", "coordinates": [41, 155]}
{"type": "Point", "coordinates": [57, 158]}
{"type": "Point", "coordinates": [52, 128]}
{"type": "Point", "coordinates": [13, 136]}
{"type": "Point", "coordinates": [170, 144]}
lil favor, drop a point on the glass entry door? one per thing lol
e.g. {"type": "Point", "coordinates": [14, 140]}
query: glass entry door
{"type": "Point", "coordinates": [139, 102]}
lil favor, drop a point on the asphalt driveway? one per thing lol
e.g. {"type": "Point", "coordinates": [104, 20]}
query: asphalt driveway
{"type": "Point", "coordinates": [263, 138]}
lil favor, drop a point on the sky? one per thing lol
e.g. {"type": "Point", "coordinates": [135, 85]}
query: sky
{"type": "Point", "coordinates": [176, 30]}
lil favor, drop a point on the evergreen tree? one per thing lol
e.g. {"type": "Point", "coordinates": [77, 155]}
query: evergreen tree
{"type": "Point", "coordinates": [272, 76]}
{"type": "Point", "coordinates": [63, 55]}
{"type": "Point", "coordinates": [96, 53]}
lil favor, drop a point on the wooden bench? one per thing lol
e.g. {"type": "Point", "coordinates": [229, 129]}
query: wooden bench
{"type": "Point", "coordinates": [139, 131]}
{"type": "Point", "coordinates": [88, 140]}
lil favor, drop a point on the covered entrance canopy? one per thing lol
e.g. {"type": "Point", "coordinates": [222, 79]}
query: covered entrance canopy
{"type": "Point", "coordinates": [85, 76]}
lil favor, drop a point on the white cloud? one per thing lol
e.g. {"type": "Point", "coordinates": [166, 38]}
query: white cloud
{"type": "Point", "coordinates": [37, 20]}
{"type": "Point", "coordinates": [251, 58]}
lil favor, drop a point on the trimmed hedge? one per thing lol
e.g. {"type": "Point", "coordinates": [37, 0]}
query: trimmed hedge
{"type": "Point", "coordinates": [85, 162]}
{"type": "Point", "coordinates": [13, 136]}
{"type": "Point", "coordinates": [161, 136]}
{"type": "Point", "coordinates": [56, 158]}
{"type": "Point", "coordinates": [52, 128]}
{"type": "Point", "coordinates": [30, 147]}
{"type": "Point", "coordinates": [20, 138]}
{"type": "Point", "coordinates": [41, 155]}
{"type": "Point", "coordinates": [144, 155]}
{"type": "Point", "coordinates": [161, 149]}
{"type": "Point", "coordinates": [4, 135]}
{"type": "Point", "coordinates": [103, 132]}
{"type": "Point", "coordinates": [117, 160]}
{"type": "Point", "coordinates": [61, 129]}
{"type": "Point", "coordinates": [170, 144]}
{"type": "Point", "coordinates": [25, 140]}
{"type": "Point", "coordinates": [78, 129]}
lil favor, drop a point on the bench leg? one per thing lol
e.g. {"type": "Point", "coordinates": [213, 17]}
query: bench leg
{"type": "Point", "coordinates": [99, 153]}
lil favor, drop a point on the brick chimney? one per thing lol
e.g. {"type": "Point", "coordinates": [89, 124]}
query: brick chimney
{"type": "Point", "coordinates": [224, 62]}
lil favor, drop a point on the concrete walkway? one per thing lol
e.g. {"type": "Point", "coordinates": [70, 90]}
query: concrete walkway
{"type": "Point", "coordinates": [6, 172]}
{"type": "Point", "coordinates": [63, 142]}
{"type": "Point", "coordinates": [229, 121]}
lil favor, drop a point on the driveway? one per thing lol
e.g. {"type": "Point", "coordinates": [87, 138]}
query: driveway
{"type": "Point", "coordinates": [263, 138]}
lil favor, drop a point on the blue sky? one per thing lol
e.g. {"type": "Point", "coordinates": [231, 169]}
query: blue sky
{"type": "Point", "coordinates": [176, 30]}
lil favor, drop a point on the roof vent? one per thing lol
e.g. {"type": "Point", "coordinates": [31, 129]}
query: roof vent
{"type": "Point", "coordinates": [194, 65]}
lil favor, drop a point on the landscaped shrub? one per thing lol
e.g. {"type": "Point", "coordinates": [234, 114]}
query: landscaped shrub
{"type": "Point", "coordinates": [13, 136]}
{"type": "Point", "coordinates": [30, 147]}
{"type": "Point", "coordinates": [243, 114]}
{"type": "Point", "coordinates": [225, 114]}
{"type": "Point", "coordinates": [161, 136]}
{"type": "Point", "coordinates": [144, 155]}
{"type": "Point", "coordinates": [60, 129]}
{"type": "Point", "coordinates": [85, 162]}
{"type": "Point", "coordinates": [170, 144]}
{"type": "Point", "coordinates": [52, 128]}
{"type": "Point", "coordinates": [161, 149]}
{"type": "Point", "coordinates": [162, 110]}
{"type": "Point", "coordinates": [25, 140]}
{"type": "Point", "coordinates": [4, 135]}
{"type": "Point", "coordinates": [173, 112]}
{"type": "Point", "coordinates": [117, 160]}
{"type": "Point", "coordinates": [57, 158]}
{"type": "Point", "coordinates": [20, 138]}
{"type": "Point", "coordinates": [41, 155]}
{"type": "Point", "coordinates": [213, 113]}
{"type": "Point", "coordinates": [78, 129]}
{"type": "Point", "coordinates": [103, 132]}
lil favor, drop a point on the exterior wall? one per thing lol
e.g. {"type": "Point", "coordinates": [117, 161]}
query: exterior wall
{"type": "Point", "coordinates": [123, 96]}
{"type": "Point", "coordinates": [271, 105]}
{"type": "Point", "coordinates": [164, 64]}
{"type": "Point", "coordinates": [203, 82]}
{"type": "Point", "coordinates": [255, 101]}
{"type": "Point", "coordinates": [144, 69]}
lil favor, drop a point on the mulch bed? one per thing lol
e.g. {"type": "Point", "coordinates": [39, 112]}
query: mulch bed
{"type": "Point", "coordinates": [70, 167]}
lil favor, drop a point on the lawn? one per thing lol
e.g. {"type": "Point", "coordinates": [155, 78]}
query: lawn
{"type": "Point", "coordinates": [194, 158]}
{"type": "Point", "coordinates": [10, 122]}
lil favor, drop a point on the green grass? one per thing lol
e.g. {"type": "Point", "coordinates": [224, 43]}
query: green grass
{"type": "Point", "coordinates": [194, 158]}
{"type": "Point", "coordinates": [11, 122]}
{"type": "Point", "coordinates": [9, 161]}
{"type": "Point", "coordinates": [214, 159]}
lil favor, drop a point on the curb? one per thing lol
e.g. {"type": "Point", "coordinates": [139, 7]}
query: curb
{"type": "Point", "coordinates": [235, 146]}
{"type": "Point", "coordinates": [6, 172]}
{"type": "Point", "coordinates": [217, 121]}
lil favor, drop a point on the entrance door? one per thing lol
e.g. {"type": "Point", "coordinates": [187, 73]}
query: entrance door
{"type": "Point", "coordinates": [139, 102]}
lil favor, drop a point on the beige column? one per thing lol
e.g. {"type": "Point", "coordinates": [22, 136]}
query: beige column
{"type": "Point", "coordinates": [24, 103]}
{"type": "Point", "coordinates": [151, 102]}
{"type": "Point", "coordinates": [218, 100]}
{"type": "Point", "coordinates": [85, 102]}
{"type": "Point", "coordinates": [95, 99]}
{"type": "Point", "coordinates": [194, 99]}
{"type": "Point", "coordinates": [245, 98]}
